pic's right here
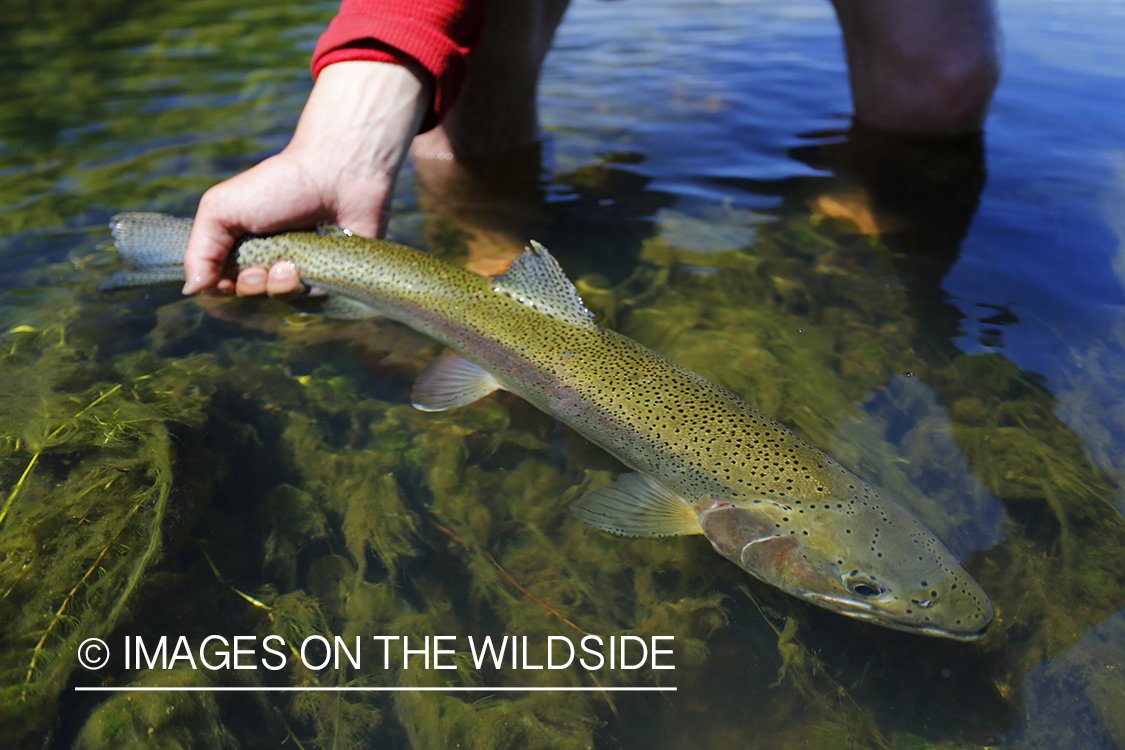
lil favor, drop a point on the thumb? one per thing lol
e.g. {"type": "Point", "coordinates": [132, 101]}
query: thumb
{"type": "Point", "coordinates": [212, 237]}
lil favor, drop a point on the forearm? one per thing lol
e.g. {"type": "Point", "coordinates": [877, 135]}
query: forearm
{"type": "Point", "coordinates": [360, 118]}
{"type": "Point", "coordinates": [436, 35]}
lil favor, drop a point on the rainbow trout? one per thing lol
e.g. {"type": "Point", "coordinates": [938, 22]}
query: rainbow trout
{"type": "Point", "coordinates": [705, 461]}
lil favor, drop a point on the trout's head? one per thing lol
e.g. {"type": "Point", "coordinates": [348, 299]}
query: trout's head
{"type": "Point", "coordinates": [872, 561]}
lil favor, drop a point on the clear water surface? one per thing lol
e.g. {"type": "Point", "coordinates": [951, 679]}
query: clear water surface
{"type": "Point", "coordinates": [204, 467]}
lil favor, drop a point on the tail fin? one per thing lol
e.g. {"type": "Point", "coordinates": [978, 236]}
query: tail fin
{"type": "Point", "coordinates": [151, 247]}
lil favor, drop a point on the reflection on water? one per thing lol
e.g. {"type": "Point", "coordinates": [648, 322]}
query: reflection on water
{"type": "Point", "coordinates": [196, 467]}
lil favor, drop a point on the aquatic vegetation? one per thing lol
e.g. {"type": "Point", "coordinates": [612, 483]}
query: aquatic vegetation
{"type": "Point", "coordinates": [349, 513]}
{"type": "Point", "coordinates": [211, 466]}
{"type": "Point", "coordinates": [59, 103]}
{"type": "Point", "coordinates": [137, 720]}
{"type": "Point", "coordinates": [805, 365]}
{"type": "Point", "coordinates": [88, 478]}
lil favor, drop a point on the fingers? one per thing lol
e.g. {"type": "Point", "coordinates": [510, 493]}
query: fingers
{"type": "Point", "coordinates": [279, 281]}
{"type": "Point", "coordinates": [283, 281]}
{"type": "Point", "coordinates": [340, 165]}
{"type": "Point", "coordinates": [251, 282]}
{"type": "Point", "coordinates": [269, 197]}
{"type": "Point", "coordinates": [278, 194]}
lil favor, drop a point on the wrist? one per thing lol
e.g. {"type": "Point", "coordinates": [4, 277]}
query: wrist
{"type": "Point", "coordinates": [361, 117]}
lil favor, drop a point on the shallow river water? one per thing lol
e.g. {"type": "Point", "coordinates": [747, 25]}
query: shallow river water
{"type": "Point", "coordinates": [191, 468]}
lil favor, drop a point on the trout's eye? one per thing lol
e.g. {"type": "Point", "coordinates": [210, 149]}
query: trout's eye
{"type": "Point", "coordinates": [863, 586]}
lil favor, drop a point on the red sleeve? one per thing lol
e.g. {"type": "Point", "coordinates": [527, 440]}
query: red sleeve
{"type": "Point", "coordinates": [436, 34]}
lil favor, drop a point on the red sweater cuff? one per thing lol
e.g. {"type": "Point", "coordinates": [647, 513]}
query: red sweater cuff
{"type": "Point", "coordinates": [436, 34]}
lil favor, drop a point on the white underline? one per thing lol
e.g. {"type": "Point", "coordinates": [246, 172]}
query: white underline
{"type": "Point", "coordinates": [150, 689]}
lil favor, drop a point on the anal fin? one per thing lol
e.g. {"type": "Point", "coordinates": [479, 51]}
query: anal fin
{"type": "Point", "coordinates": [635, 505]}
{"type": "Point", "coordinates": [451, 381]}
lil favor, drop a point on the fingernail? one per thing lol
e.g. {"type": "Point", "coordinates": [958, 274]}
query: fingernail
{"type": "Point", "coordinates": [254, 276]}
{"type": "Point", "coordinates": [284, 271]}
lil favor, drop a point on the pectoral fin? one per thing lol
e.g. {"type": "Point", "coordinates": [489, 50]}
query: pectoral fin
{"type": "Point", "coordinates": [449, 382]}
{"type": "Point", "coordinates": [635, 505]}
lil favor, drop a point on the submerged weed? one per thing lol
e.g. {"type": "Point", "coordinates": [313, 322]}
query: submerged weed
{"type": "Point", "coordinates": [273, 485]}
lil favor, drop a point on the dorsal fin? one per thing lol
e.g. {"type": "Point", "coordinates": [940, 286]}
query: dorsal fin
{"type": "Point", "coordinates": [536, 280]}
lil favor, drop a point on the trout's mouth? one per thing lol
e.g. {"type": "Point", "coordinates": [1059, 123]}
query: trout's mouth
{"type": "Point", "coordinates": [870, 613]}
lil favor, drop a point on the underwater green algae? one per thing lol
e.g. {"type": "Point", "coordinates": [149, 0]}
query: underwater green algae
{"type": "Point", "coordinates": [1061, 566]}
{"type": "Point", "coordinates": [84, 78]}
{"type": "Point", "coordinates": [170, 722]}
{"type": "Point", "coordinates": [360, 476]}
{"type": "Point", "coordinates": [275, 484]}
{"type": "Point", "coordinates": [87, 480]}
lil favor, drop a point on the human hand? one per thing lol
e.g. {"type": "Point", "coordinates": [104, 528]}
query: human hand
{"type": "Point", "coordinates": [340, 166]}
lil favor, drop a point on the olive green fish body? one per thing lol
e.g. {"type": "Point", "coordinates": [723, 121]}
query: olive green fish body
{"type": "Point", "coordinates": [705, 460]}
{"type": "Point", "coordinates": [655, 416]}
